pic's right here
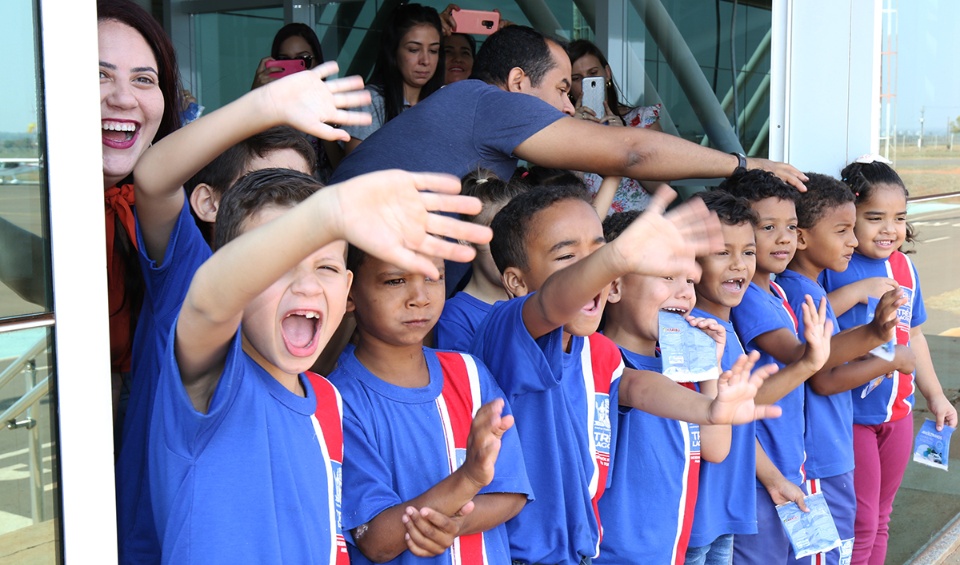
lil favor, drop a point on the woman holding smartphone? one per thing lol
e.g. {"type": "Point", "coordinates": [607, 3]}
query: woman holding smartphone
{"type": "Point", "coordinates": [293, 42]}
{"type": "Point", "coordinates": [406, 70]}
{"type": "Point", "coordinates": [611, 194]}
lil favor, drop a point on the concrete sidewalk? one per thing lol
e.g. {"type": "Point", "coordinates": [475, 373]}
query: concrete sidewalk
{"type": "Point", "coordinates": [925, 527]}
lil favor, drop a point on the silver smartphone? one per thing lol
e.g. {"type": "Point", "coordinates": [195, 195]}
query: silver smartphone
{"type": "Point", "coordinates": [594, 93]}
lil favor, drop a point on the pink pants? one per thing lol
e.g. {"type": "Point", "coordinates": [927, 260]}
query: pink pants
{"type": "Point", "coordinates": [881, 453]}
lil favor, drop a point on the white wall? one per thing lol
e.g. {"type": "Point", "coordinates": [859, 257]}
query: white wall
{"type": "Point", "coordinates": [826, 75]}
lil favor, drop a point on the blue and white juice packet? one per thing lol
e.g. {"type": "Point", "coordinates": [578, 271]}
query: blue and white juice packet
{"type": "Point", "coordinates": [932, 448]}
{"type": "Point", "coordinates": [688, 354]}
{"type": "Point", "coordinates": [809, 532]}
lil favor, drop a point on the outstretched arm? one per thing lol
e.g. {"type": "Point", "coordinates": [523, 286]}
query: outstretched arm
{"type": "Point", "coordinates": [383, 213]}
{"type": "Point", "coordinates": [656, 394]}
{"type": "Point", "coordinates": [848, 296]}
{"type": "Point", "coordinates": [437, 516]}
{"type": "Point", "coordinates": [303, 100]}
{"type": "Point", "coordinates": [636, 153]}
{"type": "Point", "coordinates": [655, 244]}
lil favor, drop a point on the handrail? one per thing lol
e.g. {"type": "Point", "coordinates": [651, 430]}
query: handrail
{"type": "Point", "coordinates": [29, 355]}
{"type": "Point", "coordinates": [29, 398]}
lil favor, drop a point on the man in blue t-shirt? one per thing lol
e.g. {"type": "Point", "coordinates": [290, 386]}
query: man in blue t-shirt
{"type": "Point", "coordinates": [482, 123]}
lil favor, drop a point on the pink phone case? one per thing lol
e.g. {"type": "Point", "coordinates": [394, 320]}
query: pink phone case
{"type": "Point", "coordinates": [476, 22]}
{"type": "Point", "coordinates": [287, 67]}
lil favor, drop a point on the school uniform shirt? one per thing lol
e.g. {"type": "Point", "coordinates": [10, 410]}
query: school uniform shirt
{"type": "Point", "coordinates": [893, 398]}
{"type": "Point", "coordinates": [828, 436]}
{"type": "Point", "coordinates": [561, 402]}
{"type": "Point", "coordinates": [166, 285]}
{"type": "Point", "coordinates": [781, 438]}
{"type": "Point", "coordinates": [399, 442]}
{"type": "Point", "coordinates": [251, 481]}
{"type": "Point", "coordinates": [727, 501]}
{"type": "Point", "coordinates": [647, 510]}
{"type": "Point", "coordinates": [458, 322]}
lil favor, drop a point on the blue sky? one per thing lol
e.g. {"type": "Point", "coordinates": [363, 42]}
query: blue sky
{"type": "Point", "coordinates": [927, 64]}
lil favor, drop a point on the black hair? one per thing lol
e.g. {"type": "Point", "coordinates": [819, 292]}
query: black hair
{"type": "Point", "coordinates": [355, 258]}
{"type": "Point", "coordinates": [514, 46]}
{"type": "Point", "coordinates": [222, 172]}
{"type": "Point", "coordinates": [546, 176]}
{"type": "Point", "coordinates": [823, 193]}
{"type": "Point", "coordinates": [298, 30]}
{"type": "Point", "coordinates": [386, 72]}
{"type": "Point", "coordinates": [511, 225]}
{"type": "Point", "coordinates": [862, 178]}
{"type": "Point", "coordinates": [256, 191]}
{"type": "Point", "coordinates": [757, 184]}
{"type": "Point", "coordinates": [614, 224]}
{"type": "Point", "coordinates": [489, 188]}
{"type": "Point", "coordinates": [732, 210]}
{"type": "Point", "coordinates": [581, 47]}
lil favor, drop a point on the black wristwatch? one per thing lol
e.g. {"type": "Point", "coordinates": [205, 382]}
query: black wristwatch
{"type": "Point", "coordinates": [742, 164]}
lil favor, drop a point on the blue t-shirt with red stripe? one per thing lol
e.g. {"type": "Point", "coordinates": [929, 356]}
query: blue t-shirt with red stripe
{"type": "Point", "coordinates": [761, 312]}
{"type": "Point", "coordinates": [562, 404]}
{"type": "Point", "coordinates": [727, 503]}
{"type": "Point", "coordinates": [253, 479]}
{"type": "Point", "coordinates": [893, 398]}
{"type": "Point", "coordinates": [828, 435]}
{"type": "Point", "coordinates": [400, 442]}
{"type": "Point", "coordinates": [647, 510]}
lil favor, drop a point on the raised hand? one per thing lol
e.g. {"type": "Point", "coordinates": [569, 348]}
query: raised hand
{"type": "Point", "coordinates": [884, 323]}
{"type": "Point", "coordinates": [483, 444]}
{"type": "Point", "coordinates": [736, 390]}
{"type": "Point", "coordinates": [817, 332]}
{"type": "Point", "coordinates": [308, 102]}
{"type": "Point", "coordinates": [391, 215]}
{"type": "Point", "coordinates": [661, 244]}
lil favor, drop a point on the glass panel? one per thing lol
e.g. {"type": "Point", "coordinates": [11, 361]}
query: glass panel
{"type": "Point", "coordinates": [706, 28]}
{"type": "Point", "coordinates": [919, 112]}
{"type": "Point", "coordinates": [29, 497]}
{"type": "Point", "coordinates": [229, 46]}
{"type": "Point", "coordinates": [24, 261]}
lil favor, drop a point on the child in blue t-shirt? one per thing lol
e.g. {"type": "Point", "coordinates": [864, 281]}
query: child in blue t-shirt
{"type": "Point", "coordinates": [464, 311]}
{"type": "Point", "coordinates": [429, 472]}
{"type": "Point", "coordinates": [882, 422]}
{"type": "Point", "coordinates": [648, 506]}
{"type": "Point", "coordinates": [727, 506]}
{"type": "Point", "coordinates": [235, 412]}
{"type": "Point", "coordinates": [826, 215]}
{"type": "Point", "coordinates": [766, 322]}
{"type": "Point", "coordinates": [560, 377]}
{"type": "Point", "coordinates": [171, 247]}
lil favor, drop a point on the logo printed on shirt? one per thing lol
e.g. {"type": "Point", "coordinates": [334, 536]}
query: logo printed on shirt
{"type": "Point", "coordinates": [601, 425]}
